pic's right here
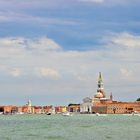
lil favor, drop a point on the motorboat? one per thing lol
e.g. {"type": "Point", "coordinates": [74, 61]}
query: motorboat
{"type": "Point", "coordinates": [97, 114]}
{"type": "Point", "coordinates": [19, 113]}
{"type": "Point", "coordinates": [66, 114]}
{"type": "Point", "coordinates": [135, 113]}
{"type": "Point", "coordinates": [49, 113]}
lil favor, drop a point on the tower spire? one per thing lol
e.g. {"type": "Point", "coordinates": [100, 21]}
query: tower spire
{"type": "Point", "coordinates": [100, 77]}
{"type": "Point", "coordinates": [100, 81]}
{"type": "Point", "coordinates": [111, 96]}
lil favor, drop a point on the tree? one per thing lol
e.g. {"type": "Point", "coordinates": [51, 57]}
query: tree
{"type": "Point", "coordinates": [73, 104]}
{"type": "Point", "coordinates": [138, 99]}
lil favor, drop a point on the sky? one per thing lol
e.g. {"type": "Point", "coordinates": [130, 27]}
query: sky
{"type": "Point", "coordinates": [51, 51]}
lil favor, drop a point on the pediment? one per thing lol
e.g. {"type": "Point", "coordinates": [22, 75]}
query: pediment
{"type": "Point", "coordinates": [87, 100]}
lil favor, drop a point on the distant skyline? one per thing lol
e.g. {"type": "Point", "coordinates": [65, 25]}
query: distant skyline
{"type": "Point", "coordinates": [51, 51]}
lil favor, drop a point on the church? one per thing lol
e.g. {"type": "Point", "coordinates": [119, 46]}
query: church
{"type": "Point", "coordinates": [100, 96]}
{"type": "Point", "coordinates": [101, 104]}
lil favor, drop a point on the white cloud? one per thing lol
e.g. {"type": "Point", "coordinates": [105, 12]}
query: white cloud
{"type": "Point", "coordinates": [16, 72]}
{"type": "Point", "coordinates": [77, 71]}
{"type": "Point", "coordinates": [28, 54]}
{"type": "Point", "coordinates": [126, 73]}
{"type": "Point", "coordinates": [44, 44]}
{"type": "Point", "coordinates": [11, 42]}
{"type": "Point", "coordinates": [127, 40]}
{"type": "Point", "coordinates": [15, 45]}
{"type": "Point", "coordinates": [123, 47]}
{"type": "Point", "coordinates": [43, 53]}
{"type": "Point", "coordinates": [50, 73]}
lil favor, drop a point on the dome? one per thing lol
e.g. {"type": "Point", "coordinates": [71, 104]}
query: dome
{"type": "Point", "coordinates": [99, 95]}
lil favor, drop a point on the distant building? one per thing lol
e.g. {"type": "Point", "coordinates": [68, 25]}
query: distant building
{"type": "Point", "coordinates": [47, 109]}
{"type": "Point", "coordinates": [30, 109]}
{"type": "Point", "coordinates": [38, 109]}
{"type": "Point", "coordinates": [86, 106]}
{"type": "Point", "coordinates": [61, 109]}
{"type": "Point", "coordinates": [8, 109]}
{"type": "Point", "coordinates": [123, 107]}
{"type": "Point", "coordinates": [74, 107]}
{"type": "Point", "coordinates": [101, 104]}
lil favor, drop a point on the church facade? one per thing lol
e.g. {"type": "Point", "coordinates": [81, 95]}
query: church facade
{"type": "Point", "coordinates": [86, 106]}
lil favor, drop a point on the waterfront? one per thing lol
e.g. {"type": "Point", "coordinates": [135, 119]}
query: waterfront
{"type": "Point", "coordinates": [76, 127]}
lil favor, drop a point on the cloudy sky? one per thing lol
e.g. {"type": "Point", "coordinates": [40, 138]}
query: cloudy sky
{"type": "Point", "coordinates": [51, 51]}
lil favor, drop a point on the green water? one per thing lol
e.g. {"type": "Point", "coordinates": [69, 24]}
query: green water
{"type": "Point", "coordinates": [76, 127]}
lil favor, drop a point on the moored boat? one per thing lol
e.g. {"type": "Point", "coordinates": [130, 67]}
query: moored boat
{"type": "Point", "coordinates": [67, 114]}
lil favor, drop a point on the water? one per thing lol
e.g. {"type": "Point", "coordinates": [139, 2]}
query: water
{"type": "Point", "coordinates": [77, 127]}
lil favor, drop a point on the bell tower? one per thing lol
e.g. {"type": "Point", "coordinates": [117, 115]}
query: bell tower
{"type": "Point", "coordinates": [29, 106]}
{"type": "Point", "coordinates": [100, 90]}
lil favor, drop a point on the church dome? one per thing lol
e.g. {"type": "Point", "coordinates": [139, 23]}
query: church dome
{"type": "Point", "coordinates": [99, 95]}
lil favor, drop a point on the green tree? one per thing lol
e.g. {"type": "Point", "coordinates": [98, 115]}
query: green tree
{"type": "Point", "coordinates": [138, 99]}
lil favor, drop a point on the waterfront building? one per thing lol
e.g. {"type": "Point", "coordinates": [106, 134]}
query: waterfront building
{"type": "Point", "coordinates": [30, 109]}
{"type": "Point", "coordinates": [123, 107]}
{"type": "Point", "coordinates": [38, 109]}
{"type": "Point", "coordinates": [19, 109]}
{"type": "Point", "coordinates": [47, 109]}
{"type": "Point", "coordinates": [101, 104]}
{"type": "Point", "coordinates": [86, 106]}
{"type": "Point", "coordinates": [25, 109]}
{"type": "Point", "coordinates": [74, 107]}
{"type": "Point", "coordinates": [52, 111]}
{"type": "Point", "coordinates": [8, 109]}
{"type": "Point", "coordinates": [61, 109]}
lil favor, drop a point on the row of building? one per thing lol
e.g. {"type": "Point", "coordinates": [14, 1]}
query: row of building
{"type": "Point", "coordinates": [98, 104]}
{"type": "Point", "coordinates": [29, 109]}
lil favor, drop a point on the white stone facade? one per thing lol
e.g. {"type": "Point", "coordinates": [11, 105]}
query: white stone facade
{"type": "Point", "coordinates": [86, 106]}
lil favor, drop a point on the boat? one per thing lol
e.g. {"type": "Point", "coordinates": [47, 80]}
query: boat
{"type": "Point", "coordinates": [135, 113]}
{"type": "Point", "coordinates": [97, 114]}
{"type": "Point", "coordinates": [19, 113]}
{"type": "Point", "coordinates": [66, 114]}
{"type": "Point", "coordinates": [49, 113]}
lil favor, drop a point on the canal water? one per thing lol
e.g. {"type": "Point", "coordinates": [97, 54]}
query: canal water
{"type": "Point", "coordinates": [76, 127]}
